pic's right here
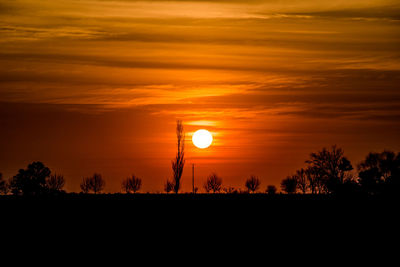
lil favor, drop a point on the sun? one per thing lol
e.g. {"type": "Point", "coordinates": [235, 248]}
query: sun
{"type": "Point", "coordinates": [202, 138]}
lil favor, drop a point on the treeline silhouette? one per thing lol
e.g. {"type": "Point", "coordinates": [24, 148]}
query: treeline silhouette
{"type": "Point", "coordinates": [327, 172]}
{"type": "Point", "coordinates": [330, 172]}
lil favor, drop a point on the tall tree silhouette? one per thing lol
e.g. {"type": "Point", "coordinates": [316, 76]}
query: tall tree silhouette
{"type": "Point", "coordinates": [55, 183]}
{"type": "Point", "coordinates": [289, 185]}
{"type": "Point", "coordinates": [252, 184]}
{"type": "Point", "coordinates": [213, 183]}
{"type": "Point", "coordinates": [179, 162]}
{"type": "Point", "coordinates": [30, 181]}
{"type": "Point", "coordinates": [93, 184]}
{"type": "Point", "coordinates": [132, 184]}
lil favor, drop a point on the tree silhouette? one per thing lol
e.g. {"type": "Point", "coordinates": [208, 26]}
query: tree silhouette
{"type": "Point", "coordinates": [132, 184]}
{"type": "Point", "coordinates": [392, 182]}
{"type": "Point", "coordinates": [97, 183]}
{"type": "Point", "coordinates": [168, 186]}
{"type": "Point", "coordinates": [330, 169]}
{"type": "Point", "coordinates": [289, 185]}
{"type": "Point", "coordinates": [312, 179]}
{"type": "Point", "coordinates": [85, 185]}
{"type": "Point", "coordinates": [271, 190]}
{"type": "Point", "coordinates": [252, 184]}
{"type": "Point", "coordinates": [93, 184]}
{"type": "Point", "coordinates": [55, 183]}
{"type": "Point", "coordinates": [30, 181]}
{"type": "Point", "coordinates": [179, 162]}
{"type": "Point", "coordinates": [213, 183]}
{"type": "Point", "coordinates": [302, 181]}
{"type": "Point", "coordinates": [3, 185]}
{"type": "Point", "coordinates": [380, 172]}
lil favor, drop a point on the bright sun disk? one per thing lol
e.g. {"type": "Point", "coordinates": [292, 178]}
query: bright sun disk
{"type": "Point", "coordinates": [202, 138]}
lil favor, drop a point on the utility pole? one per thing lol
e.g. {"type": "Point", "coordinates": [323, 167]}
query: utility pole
{"type": "Point", "coordinates": [193, 177]}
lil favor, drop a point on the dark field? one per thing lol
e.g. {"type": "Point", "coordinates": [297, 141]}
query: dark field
{"type": "Point", "coordinates": [190, 204]}
{"type": "Point", "coordinates": [208, 217]}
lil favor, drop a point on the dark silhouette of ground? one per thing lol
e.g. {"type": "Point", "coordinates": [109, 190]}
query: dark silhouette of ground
{"type": "Point", "coordinates": [231, 217]}
{"type": "Point", "coordinates": [246, 203]}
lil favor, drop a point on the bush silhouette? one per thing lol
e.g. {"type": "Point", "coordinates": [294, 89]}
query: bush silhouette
{"type": "Point", "coordinates": [168, 186]}
{"type": "Point", "coordinates": [271, 190]}
{"type": "Point", "coordinates": [230, 190]}
{"type": "Point", "coordinates": [289, 185]}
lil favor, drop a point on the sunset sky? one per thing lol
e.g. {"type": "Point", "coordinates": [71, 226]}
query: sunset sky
{"type": "Point", "coordinates": [97, 86]}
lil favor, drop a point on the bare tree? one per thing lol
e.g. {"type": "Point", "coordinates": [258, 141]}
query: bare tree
{"type": "Point", "coordinates": [312, 179]}
{"type": "Point", "coordinates": [302, 182]}
{"type": "Point", "coordinates": [330, 169]}
{"type": "Point", "coordinates": [132, 184]}
{"type": "Point", "coordinates": [97, 183]}
{"type": "Point", "coordinates": [55, 182]}
{"type": "Point", "coordinates": [85, 185]}
{"type": "Point", "coordinates": [179, 162]}
{"type": "Point", "coordinates": [93, 184]}
{"type": "Point", "coordinates": [271, 190]}
{"type": "Point", "coordinates": [289, 185]}
{"type": "Point", "coordinates": [252, 184]}
{"type": "Point", "coordinates": [168, 186]}
{"type": "Point", "coordinates": [213, 183]}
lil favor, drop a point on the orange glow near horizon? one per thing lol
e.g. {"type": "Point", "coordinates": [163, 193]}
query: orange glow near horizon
{"type": "Point", "coordinates": [97, 86]}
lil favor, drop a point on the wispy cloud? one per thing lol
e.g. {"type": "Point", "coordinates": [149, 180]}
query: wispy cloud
{"type": "Point", "coordinates": [275, 73]}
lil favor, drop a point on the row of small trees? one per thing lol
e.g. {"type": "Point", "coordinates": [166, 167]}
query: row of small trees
{"type": "Point", "coordinates": [326, 172]}
{"type": "Point", "coordinates": [330, 172]}
{"type": "Point", "coordinates": [214, 184]}
{"type": "Point", "coordinates": [96, 184]}
{"type": "Point", "coordinates": [37, 179]}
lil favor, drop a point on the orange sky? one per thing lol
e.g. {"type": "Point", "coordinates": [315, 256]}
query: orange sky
{"type": "Point", "coordinates": [97, 86]}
